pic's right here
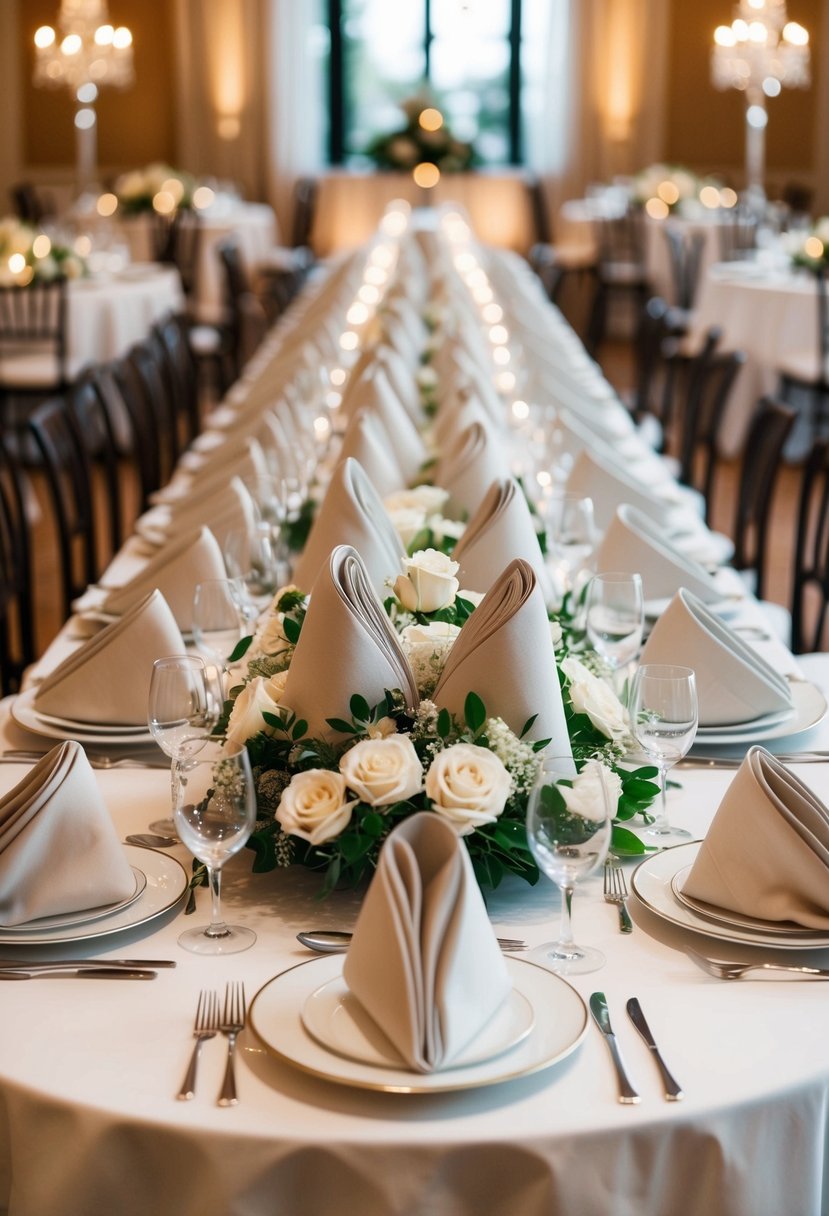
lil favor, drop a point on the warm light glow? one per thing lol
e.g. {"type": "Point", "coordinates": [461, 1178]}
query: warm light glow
{"type": "Point", "coordinates": [17, 263]}
{"type": "Point", "coordinates": [41, 246]}
{"type": "Point", "coordinates": [44, 37]}
{"type": "Point", "coordinates": [381, 255]}
{"type": "Point", "coordinates": [83, 246]}
{"type": "Point", "coordinates": [396, 219]}
{"type": "Point", "coordinates": [728, 197]}
{"type": "Point", "coordinates": [122, 38]}
{"type": "Point", "coordinates": [107, 204]}
{"type": "Point", "coordinates": [482, 294]}
{"type": "Point", "coordinates": [71, 44]}
{"type": "Point", "coordinates": [338, 376]}
{"type": "Point", "coordinates": [757, 32]}
{"type": "Point", "coordinates": [724, 36]}
{"type": "Point", "coordinates": [84, 119]}
{"type": "Point", "coordinates": [520, 410]}
{"type": "Point", "coordinates": [228, 127]}
{"type": "Point", "coordinates": [203, 196]}
{"type": "Point", "coordinates": [657, 209]}
{"type": "Point", "coordinates": [349, 340]}
{"type": "Point", "coordinates": [375, 274]}
{"type": "Point", "coordinates": [104, 35]}
{"type": "Point", "coordinates": [430, 119]}
{"type": "Point", "coordinates": [357, 314]}
{"type": "Point", "coordinates": [813, 247]}
{"type": "Point", "coordinates": [501, 356]}
{"type": "Point", "coordinates": [669, 192]}
{"type": "Point", "coordinates": [740, 29]}
{"type": "Point", "coordinates": [499, 335]}
{"type": "Point", "coordinates": [164, 203]}
{"type": "Point", "coordinates": [322, 428]}
{"type": "Point", "coordinates": [795, 34]}
{"type": "Point", "coordinates": [368, 294]}
{"type": "Point", "coordinates": [87, 93]}
{"type": "Point", "coordinates": [709, 196]}
{"type": "Point", "coordinates": [426, 175]}
{"type": "Point", "coordinates": [492, 313]}
{"type": "Point", "coordinates": [465, 261]}
{"type": "Point", "coordinates": [174, 186]}
{"type": "Point", "coordinates": [505, 382]}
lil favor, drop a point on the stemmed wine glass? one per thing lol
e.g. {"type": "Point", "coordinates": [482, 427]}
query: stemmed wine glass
{"type": "Point", "coordinates": [215, 810]}
{"type": "Point", "coordinates": [615, 617]}
{"type": "Point", "coordinates": [218, 619]}
{"type": "Point", "coordinates": [569, 816]}
{"type": "Point", "coordinates": [571, 536]}
{"type": "Point", "coordinates": [664, 717]}
{"type": "Point", "coordinates": [251, 563]}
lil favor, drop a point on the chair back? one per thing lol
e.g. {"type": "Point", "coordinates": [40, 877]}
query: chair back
{"type": "Point", "coordinates": [710, 381]}
{"type": "Point", "coordinates": [17, 641]}
{"type": "Point", "coordinates": [823, 321]}
{"type": "Point", "coordinates": [685, 253]}
{"type": "Point", "coordinates": [738, 232]}
{"type": "Point", "coordinates": [178, 243]}
{"type": "Point", "coordinates": [767, 435]}
{"type": "Point", "coordinates": [621, 239]}
{"type": "Point", "coordinates": [246, 321]}
{"type": "Point", "coordinates": [147, 361]}
{"type": "Point", "coordinates": [305, 201]}
{"type": "Point", "coordinates": [99, 429]}
{"type": "Point", "coordinates": [121, 390]}
{"type": "Point", "coordinates": [180, 371]}
{"type": "Point", "coordinates": [810, 576]}
{"type": "Point", "coordinates": [33, 324]}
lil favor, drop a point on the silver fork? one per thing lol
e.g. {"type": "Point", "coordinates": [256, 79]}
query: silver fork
{"type": "Point", "coordinates": [616, 892]}
{"type": "Point", "coordinates": [206, 1026]}
{"type": "Point", "coordinates": [732, 971]}
{"type": "Point", "coordinates": [231, 1025]}
{"type": "Point", "coordinates": [96, 759]}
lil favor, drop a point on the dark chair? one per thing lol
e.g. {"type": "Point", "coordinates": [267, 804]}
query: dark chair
{"type": "Point", "coordinates": [17, 641]}
{"type": "Point", "coordinates": [810, 580]}
{"type": "Point", "coordinates": [145, 361]}
{"type": "Point", "coordinates": [685, 251]}
{"type": "Point", "coordinates": [305, 201]}
{"type": "Point", "coordinates": [738, 232]}
{"type": "Point", "coordinates": [33, 347]}
{"type": "Point", "coordinates": [180, 371]}
{"type": "Point", "coordinates": [649, 355]}
{"type": "Point", "coordinates": [246, 320]}
{"type": "Point", "coordinates": [99, 429]}
{"type": "Point", "coordinates": [30, 204]}
{"type": "Point", "coordinates": [121, 390]}
{"type": "Point", "coordinates": [710, 380]}
{"type": "Point", "coordinates": [808, 370]}
{"type": "Point", "coordinates": [767, 435]}
{"type": "Point", "coordinates": [178, 243]}
{"type": "Point", "coordinates": [620, 270]}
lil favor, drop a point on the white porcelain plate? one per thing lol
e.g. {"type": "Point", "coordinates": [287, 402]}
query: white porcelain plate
{"type": "Point", "coordinates": [559, 1025]}
{"type": "Point", "coordinates": [24, 713]}
{"type": "Point", "coordinates": [809, 708]}
{"type": "Point", "coordinates": [67, 920]}
{"type": "Point", "coordinates": [736, 920]}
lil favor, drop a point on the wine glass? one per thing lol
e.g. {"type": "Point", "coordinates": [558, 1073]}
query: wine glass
{"type": "Point", "coordinates": [218, 618]}
{"type": "Point", "coordinates": [569, 816]}
{"type": "Point", "coordinates": [251, 563]}
{"type": "Point", "coordinates": [664, 717]}
{"type": "Point", "coordinates": [571, 536]}
{"type": "Point", "coordinates": [215, 810]}
{"type": "Point", "coordinates": [183, 701]}
{"type": "Point", "coordinates": [615, 617]}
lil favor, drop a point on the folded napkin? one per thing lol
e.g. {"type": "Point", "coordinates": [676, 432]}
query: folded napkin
{"type": "Point", "coordinates": [174, 570]}
{"type": "Point", "coordinates": [501, 529]}
{"type": "Point", "coordinates": [456, 414]}
{"type": "Point", "coordinates": [734, 683]}
{"type": "Point", "coordinates": [635, 543]}
{"type": "Point", "coordinates": [424, 961]}
{"type": "Point", "coordinates": [609, 486]}
{"type": "Point", "coordinates": [504, 653]}
{"type": "Point", "coordinates": [245, 460]}
{"type": "Point", "coordinates": [108, 679]}
{"type": "Point", "coordinates": [347, 646]}
{"type": "Point", "coordinates": [366, 440]}
{"type": "Point", "coordinates": [469, 467]}
{"type": "Point", "coordinates": [402, 378]}
{"type": "Point", "coordinates": [351, 513]}
{"type": "Point", "coordinates": [59, 851]}
{"type": "Point", "coordinates": [223, 512]}
{"type": "Point", "coordinates": [376, 396]}
{"type": "Point", "coordinates": [766, 853]}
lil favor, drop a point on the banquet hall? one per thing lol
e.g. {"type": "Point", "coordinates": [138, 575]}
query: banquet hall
{"type": "Point", "coordinates": [414, 558]}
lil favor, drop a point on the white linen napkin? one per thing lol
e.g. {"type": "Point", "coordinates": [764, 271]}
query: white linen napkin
{"type": "Point", "coordinates": [107, 680]}
{"type": "Point", "coordinates": [504, 653]}
{"type": "Point", "coordinates": [424, 961]}
{"type": "Point", "coordinates": [635, 543]}
{"type": "Point", "coordinates": [609, 486]}
{"type": "Point", "coordinates": [232, 510]}
{"type": "Point", "coordinates": [734, 683]}
{"type": "Point", "coordinates": [456, 415]}
{"type": "Point", "coordinates": [347, 646]}
{"type": "Point", "coordinates": [501, 529]}
{"type": "Point", "coordinates": [469, 467]}
{"type": "Point", "coordinates": [351, 513]}
{"type": "Point", "coordinates": [402, 378]}
{"type": "Point", "coordinates": [365, 440]}
{"type": "Point", "coordinates": [245, 460]}
{"type": "Point", "coordinates": [174, 570]}
{"type": "Point", "coordinates": [59, 851]}
{"type": "Point", "coordinates": [766, 853]}
{"type": "Point", "coordinates": [376, 396]}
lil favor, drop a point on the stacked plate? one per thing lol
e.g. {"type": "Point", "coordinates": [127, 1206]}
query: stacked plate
{"type": "Point", "coordinates": [808, 708]}
{"type": "Point", "coordinates": [26, 715]}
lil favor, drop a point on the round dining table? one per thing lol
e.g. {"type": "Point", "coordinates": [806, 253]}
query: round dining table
{"type": "Point", "coordinates": [109, 312]}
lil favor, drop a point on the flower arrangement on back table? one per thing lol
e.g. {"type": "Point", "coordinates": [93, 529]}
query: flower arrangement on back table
{"type": "Point", "coordinates": [424, 137]}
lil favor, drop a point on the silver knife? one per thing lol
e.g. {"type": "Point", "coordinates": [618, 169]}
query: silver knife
{"type": "Point", "coordinates": [598, 1007]}
{"type": "Point", "coordinates": [84, 973]}
{"type": "Point", "coordinates": [673, 1091]}
{"type": "Point", "coordinates": [82, 964]}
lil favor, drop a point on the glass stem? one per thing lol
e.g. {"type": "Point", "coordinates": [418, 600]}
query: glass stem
{"type": "Point", "coordinates": [566, 933]}
{"type": "Point", "coordinates": [217, 926]}
{"type": "Point", "coordinates": [662, 821]}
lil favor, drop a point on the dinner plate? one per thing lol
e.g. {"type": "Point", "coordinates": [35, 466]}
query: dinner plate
{"type": "Point", "coordinates": [24, 713]}
{"type": "Point", "coordinates": [337, 1020]}
{"type": "Point", "coordinates": [809, 709]}
{"type": "Point", "coordinates": [652, 881]}
{"type": "Point", "coordinates": [66, 920]}
{"type": "Point", "coordinates": [166, 882]}
{"type": "Point", "coordinates": [560, 1024]}
{"type": "Point", "coordinates": [724, 916]}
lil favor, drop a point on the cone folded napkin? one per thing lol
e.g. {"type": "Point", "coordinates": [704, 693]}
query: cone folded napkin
{"type": "Point", "coordinates": [766, 854]}
{"type": "Point", "coordinates": [107, 680]}
{"type": "Point", "coordinates": [223, 513]}
{"type": "Point", "coordinates": [352, 513]}
{"type": "Point", "coordinates": [174, 570]}
{"type": "Point", "coordinates": [469, 467]}
{"type": "Point", "coordinates": [366, 441]}
{"type": "Point", "coordinates": [501, 529]}
{"type": "Point", "coordinates": [505, 654]}
{"type": "Point", "coordinates": [424, 961]}
{"type": "Point", "coordinates": [609, 486]}
{"type": "Point", "coordinates": [59, 851]}
{"type": "Point", "coordinates": [636, 544]}
{"type": "Point", "coordinates": [734, 683]}
{"type": "Point", "coordinates": [347, 646]}
{"type": "Point", "coordinates": [375, 395]}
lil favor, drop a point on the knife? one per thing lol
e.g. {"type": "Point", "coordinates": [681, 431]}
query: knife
{"type": "Point", "coordinates": [598, 1007]}
{"type": "Point", "coordinates": [673, 1091]}
{"type": "Point", "coordinates": [86, 964]}
{"type": "Point", "coordinates": [84, 973]}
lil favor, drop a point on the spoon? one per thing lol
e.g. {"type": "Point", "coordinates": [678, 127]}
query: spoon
{"type": "Point", "coordinates": [150, 841]}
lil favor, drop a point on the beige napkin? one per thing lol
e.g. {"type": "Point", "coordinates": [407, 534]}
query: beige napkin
{"type": "Point", "coordinates": [609, 486]}
{"type": "Point", "coordinates": [734, 683]}
{"type": "Point", "coordinates": [366, 440]}
{"type": "Point", "coordinates": [501, 529]}
{"type": "Point", "coordinates": [636, 544]}
{"type": "Point", "coordinates": [59, 851]}
{"type": "Point", "coordinates": [424, 961]}
{"type": "Point", "coordinates": [376, 396]}
{"type": "Point", "coordinates": [469, 467]}
{"type": "Point", "coordinates": [347, 646]}
{"type": "Point", "coordinates": [403, 379]}
{"type": "Point", "coordinates": [245, 460]}
{"type": "Point", "coordinates": [766, 853]}
{"type": "Point", "coordinates": [174, 570]}
{"type": "Point", "coordinates": [231, 510]}
{"type": "Point", "coordinates": [505, 654]}
{"type": "Point", "coordinates": [351, 513]}
{"type": "Point", "coordinates": [456, 415]}
{"type": "Point", "coordinates": [107, 680]}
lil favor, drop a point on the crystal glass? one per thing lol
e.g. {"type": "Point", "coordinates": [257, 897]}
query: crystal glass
{"type": "Point", "coordinates": [569, 819]}
{"type": "Point", "coordinates": [185, 700]}
{"type": "Point", "coordinates": [571, 537]}
{"type": "Point", "coordinates": [615, 617]}
{"type": "Point", "coordinates": [664, 717]}
{"type": "Point", "coordinates": [218, 619]}
{"type": "Point", "coordinates": [215, 810]}
{"type": "Point", "coordinates": [252, 564]}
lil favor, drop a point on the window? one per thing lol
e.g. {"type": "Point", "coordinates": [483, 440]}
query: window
{"type": "Point", "coordinates": [463, 53]}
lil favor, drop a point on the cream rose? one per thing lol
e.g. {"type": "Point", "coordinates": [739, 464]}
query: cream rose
{"type": "Point", "coordinates": [586, 797]}
{"type": "Point", "coordinates": [314, 806]}
{"type": "Point", "coordinates": [271, 639]}
{"type": "Point", "coordinates": [275, 686]}
{"type": "Point", "coordinates": [429, 499]}
{"type": "Point", "coordinates": [437, 635]}
{"type": "Point", "coordinates": [246, 716]}
{"type": "Point", "coordinates": [383, 771]}
{"type": "Point", "coordinates": [593, 696]}
{"type": "Point", "coordinates": [408, 521]}
{"type": "Point", "coordinates": [428, 583]}
{"type": "Point", "coordinates": [468, 785]}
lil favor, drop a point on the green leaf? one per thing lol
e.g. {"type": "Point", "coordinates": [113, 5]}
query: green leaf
{"type": "Point", "coordinates": [444, 723]}
{"type": "Point", "coordinates": [474, 711]}
{"type": "Point", "coordinates": [300, 728]}
{"type": "Point", "coordinates": [360, 708]}
{"type": "Point", "coordinates": [340, 724]}
{"type": "Point", "coordinates": [641, 791]}
{"type": "Point", "coordinates": [240, 649]}
{"type": "Point", "coordinates": [273, 719]}
{"type": "Point", "coordinates": [528, 725]}
{"type": "Point", "coordinates": [373, 824]}
{"type": "Point", "coordinates": [420, 540]}
{"type": "Point", "coordinates": [291, 628]}
{"type": "Point", "coordinates": [626, 844]}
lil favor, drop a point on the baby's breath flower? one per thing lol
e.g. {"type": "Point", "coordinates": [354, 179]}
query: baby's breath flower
{"type": "Point", "coordinates": [517, 757]}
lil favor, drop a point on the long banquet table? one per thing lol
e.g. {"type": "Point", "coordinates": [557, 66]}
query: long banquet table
{"type": "Point", "coordinates": [88, 1070]}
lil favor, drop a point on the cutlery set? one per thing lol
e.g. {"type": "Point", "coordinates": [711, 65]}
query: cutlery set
{"type": "Point", "coordinates": [99, 760]}
{"type": "Point", "coordinates": [629, 1096]}
{"type": "Point", "coordinates": [97, 969]}
{"type": "Point", "coordinates": [209, 1021]}
{"type": "Point", "coordinates": [335, 941]}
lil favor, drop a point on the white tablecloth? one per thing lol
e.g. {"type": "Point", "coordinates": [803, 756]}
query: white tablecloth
{"type": "Point", "coordinates": [105, 316]}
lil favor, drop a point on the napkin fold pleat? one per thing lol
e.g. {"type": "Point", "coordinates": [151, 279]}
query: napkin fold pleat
{"type": "Point", "coordinates": [366, 441]}
{"type": "Point", "coordinates": [766, 854]}
{"type": "Point", "coordinates": [609, 487]}
{"type": "Point", "coordinates": [174, 571]}
{"type": "Point", "coordinates": [424, 961]}
{"type": "Point", "coordinates": [59, 851]}
{"type": "Point", "coordinates": [501, 529]}
{"type": "Point", "coordinates": [469, 467]}
{"type": "Point", "coordinates": [377, 397]}
{"type": "Point", "coordinates": [634, 543]}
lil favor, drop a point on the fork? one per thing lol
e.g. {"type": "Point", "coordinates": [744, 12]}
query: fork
{"type": "Point", "coordinates": [231, 1025]}
{"type": "Point", "coordinates": [616, 892]}
{"type": "Point", "coordinates": [96, 759]}
{"type": "Point", "coordinates": [732, 971]}
{"type": "Point", "coordinates": [205, 1027]}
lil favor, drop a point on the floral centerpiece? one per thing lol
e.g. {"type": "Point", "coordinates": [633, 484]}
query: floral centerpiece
{"type": "Point", "coordinates": [423, 137]}
{"type": "Point", "coordinates": [27, 255]}
{"type": "Point", "coordinates": [664, 189]}
{"type": "Point", "coordinates": [810, 248]}
{"type": "Point", "coordinates": [137, 190]}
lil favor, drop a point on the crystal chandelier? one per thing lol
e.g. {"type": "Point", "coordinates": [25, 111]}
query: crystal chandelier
{"type": "Point", "coordinates": [760, 53]}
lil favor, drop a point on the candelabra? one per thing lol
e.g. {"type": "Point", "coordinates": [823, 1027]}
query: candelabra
{"type": "Point", "coordinates": [760, 53]}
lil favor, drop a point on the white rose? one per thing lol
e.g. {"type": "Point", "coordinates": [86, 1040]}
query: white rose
{"type": "Point", "coordinates": [438, 635]}
{"type": "Point", "coordinates": [408, 521]}
{"type": "Point", "coordinates": [442, 527]}
{"type": "Point", "coordinates": [246, 716]}
{"type": "Point", "coordinates": [593, 696]}
{"type": "Point", "coordinates": [275, 686]}
{"type": "Point", "coordinates": [427, 377]}
{"type": "Point", "coordinates": [314, 806]}
{"type": "Point", "coordinates": [383, 771]}
{"type": "Point", "coordinates": [468, 785]}
{"type": "Point", "coordinates": [430, 499]}
{"type": "Point", "coordinates": [555, 633]}
{"type": "Point", "coordinates": [586, 798]}
{"type": "Point", "coordinates": [271, 638]}
{"type": "Point", "coordinates": [429, 581]}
